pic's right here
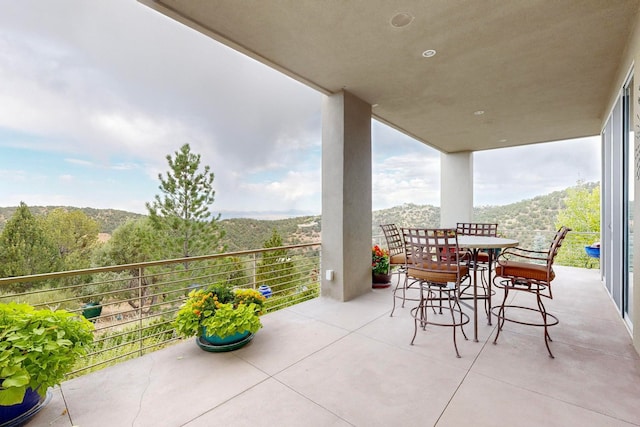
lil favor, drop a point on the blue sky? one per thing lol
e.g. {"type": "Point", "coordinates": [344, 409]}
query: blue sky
{"type": "Point", "coordinates": [94, 95]}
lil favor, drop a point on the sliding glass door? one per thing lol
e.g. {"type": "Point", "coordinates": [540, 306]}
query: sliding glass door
{"type": "Point", "coordinates": [629, 196]}
{"type": "Point", "coordinates": [617, 191]}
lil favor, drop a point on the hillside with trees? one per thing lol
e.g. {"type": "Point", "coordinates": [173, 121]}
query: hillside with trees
{"type": "Point", "coordinates": [520, 220]}
{"type": "Point", "coordinates": [108, 219]}
{"type": "Point", "coordinates": [245, 233]}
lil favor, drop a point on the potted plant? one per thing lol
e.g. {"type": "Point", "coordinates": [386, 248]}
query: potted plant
{"type": "Point", "coordinates": [91, 295]}
{"type": "Point", "coordinates": [220, 318]}
{"type": "Point", "coordinates": [37, 349]}
{"type": "Point", "coordinates": [380, 267]}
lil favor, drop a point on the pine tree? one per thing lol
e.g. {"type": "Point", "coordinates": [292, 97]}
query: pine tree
{"type": "Point", "coordinates": [25, 248]}
{"type": "Point", "coordinates": [276, 269]}
{"type": "Point", "coordinates": [182, 212]}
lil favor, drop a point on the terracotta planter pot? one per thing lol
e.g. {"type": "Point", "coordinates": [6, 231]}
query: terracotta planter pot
{"type": "Point", "coordinates": [381, 280]}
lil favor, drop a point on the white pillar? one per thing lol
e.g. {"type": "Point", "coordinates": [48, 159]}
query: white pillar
{"type": "Point", "coordinates": [346, 196]}
{"type": "Point", "coordinates": [456, 188]}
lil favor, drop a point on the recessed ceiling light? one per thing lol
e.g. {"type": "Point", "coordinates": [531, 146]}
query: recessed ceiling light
{"type": "Point", "coordinates": [429, 53]}
{"type": "Point", "coordinates": [401, 19]}
{"type": "Point", "coordinates": [479, 112]}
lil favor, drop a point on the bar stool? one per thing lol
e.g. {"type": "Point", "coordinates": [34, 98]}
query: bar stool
{"type": "Point", "coordinates": [434, 261]}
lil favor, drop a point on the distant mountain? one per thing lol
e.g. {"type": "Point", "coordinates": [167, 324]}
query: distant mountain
{"type": "Point", "coordinates": [521, 220]}
{"type": "Point", "coordinates": [268, 215]}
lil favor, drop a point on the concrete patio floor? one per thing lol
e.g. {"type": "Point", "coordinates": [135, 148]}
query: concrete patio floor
{"type": "Point", "coordinates": [326, 363]}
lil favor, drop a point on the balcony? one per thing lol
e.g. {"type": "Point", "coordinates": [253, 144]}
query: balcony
{"type": "Point", "coordinates": [323, 362]}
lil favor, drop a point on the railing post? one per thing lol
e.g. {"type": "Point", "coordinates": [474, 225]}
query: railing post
{"type": "Point", "coordinates": [140, 270]}
{"type": "Point", "coordinates": [254, 269]}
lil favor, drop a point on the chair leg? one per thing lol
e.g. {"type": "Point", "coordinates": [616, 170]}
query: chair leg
{"type": "Point", "coordinates": [501, 314]}
{"type": "Point", "coordinates": [430, 299]}
{"type": "Point", "coordinates": [547, 319]}
{"type": "Point", "coordinates": [457, 303]}
{"type": "Point", "coordinates": [543, 312]}
{"type": "Point", "coordinates": [421, 308]}
{"type": "Point", "coordinates": [452, 303]}
{"type": "Point", "coordinates": [487, 291]}
{"type": "Point", "coordinates": [404, 286]}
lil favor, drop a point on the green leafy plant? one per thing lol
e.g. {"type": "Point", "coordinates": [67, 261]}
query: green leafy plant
{"type": "Point", "coordinates": [222, 311]}
{"type": "Point", "coordinates": [37, 348]}
{"type": "Point", "coordinates": [379, 260]}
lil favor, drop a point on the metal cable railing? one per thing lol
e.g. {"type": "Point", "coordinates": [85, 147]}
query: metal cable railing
{"type": "Point", "coordinates": [132, 306]}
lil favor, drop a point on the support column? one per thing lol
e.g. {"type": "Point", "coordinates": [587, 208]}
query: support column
{"type": "Point", "coordinates": [346, 196]}
{"type": "Point", "coordinates": [456, 188]}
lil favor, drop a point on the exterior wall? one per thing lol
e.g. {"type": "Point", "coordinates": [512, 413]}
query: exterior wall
{"type": "Point", "coordinates": [456, 188]}
{"type": "Point", "coordinates": [346, 196]}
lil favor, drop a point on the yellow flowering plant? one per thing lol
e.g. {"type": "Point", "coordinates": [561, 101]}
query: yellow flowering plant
{"type": "Point", "coordinates": [221, 311]}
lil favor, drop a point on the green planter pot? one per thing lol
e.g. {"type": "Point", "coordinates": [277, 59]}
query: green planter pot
{"type": "Point", "coordinates": [91, 310]}
{"type": "Point", "coordinates": [231, 339]}
{"type": "Point", "coordinates": [214, 343]}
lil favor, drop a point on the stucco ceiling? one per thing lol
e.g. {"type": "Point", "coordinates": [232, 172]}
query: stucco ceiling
{"type": "Point", "coordinates": [541, 70]}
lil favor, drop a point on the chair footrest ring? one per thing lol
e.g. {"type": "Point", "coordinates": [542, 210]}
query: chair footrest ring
{"type": "Point", "coordinates": [446, 312]}
{"type": "Point", "coordinates": [496, 310]}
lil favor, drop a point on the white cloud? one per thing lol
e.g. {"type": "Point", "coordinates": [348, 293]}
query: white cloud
{"type": "Point", "coordinates": [509, 175]}
{"type": "Point", "coordinates": [80, 162]}
{"type": "Point", "coordinates": [408, 178]}
{"type": "Point", "coordinates": [75, 87]}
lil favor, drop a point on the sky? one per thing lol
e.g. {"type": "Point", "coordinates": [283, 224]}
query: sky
{"type": "Point", "coordinates": [95, 94]}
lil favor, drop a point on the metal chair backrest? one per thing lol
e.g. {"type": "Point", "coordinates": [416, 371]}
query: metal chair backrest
{"type": "Point", "coordinates": [477, 229]}
{"type": "Point", "coordinates": [434, 252]}
{"type": "Point", "coordinates": [556, 244]}
{"type": "Point", "coordinates": [395, 245]}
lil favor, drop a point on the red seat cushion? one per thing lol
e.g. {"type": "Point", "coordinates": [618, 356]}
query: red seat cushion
{"type": "Point", "coordinates": [483, 257]}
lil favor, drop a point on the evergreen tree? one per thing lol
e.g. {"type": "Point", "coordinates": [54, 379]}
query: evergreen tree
{"type": "Point", "coordinates": [182, 212]}
{"type": "Point", "coordinates": [134, 241]}
{"type": "Point", "coordinates": [25, 248]}
{"type": "Point", "coordinates": [75, 235]}
{"type": "Point", "coordinates": [234, 271]}
{"type": "Point", "coordinates": [276, 269]}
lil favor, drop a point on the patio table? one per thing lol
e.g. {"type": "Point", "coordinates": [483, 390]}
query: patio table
{"type": "Point", "coordinates": [475, 244]}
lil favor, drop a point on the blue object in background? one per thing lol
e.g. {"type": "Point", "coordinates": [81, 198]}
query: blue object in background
{"type": "Point", "coordinates": [265, 290]}
{"type": "Point", "coordinates": [593, 252]}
